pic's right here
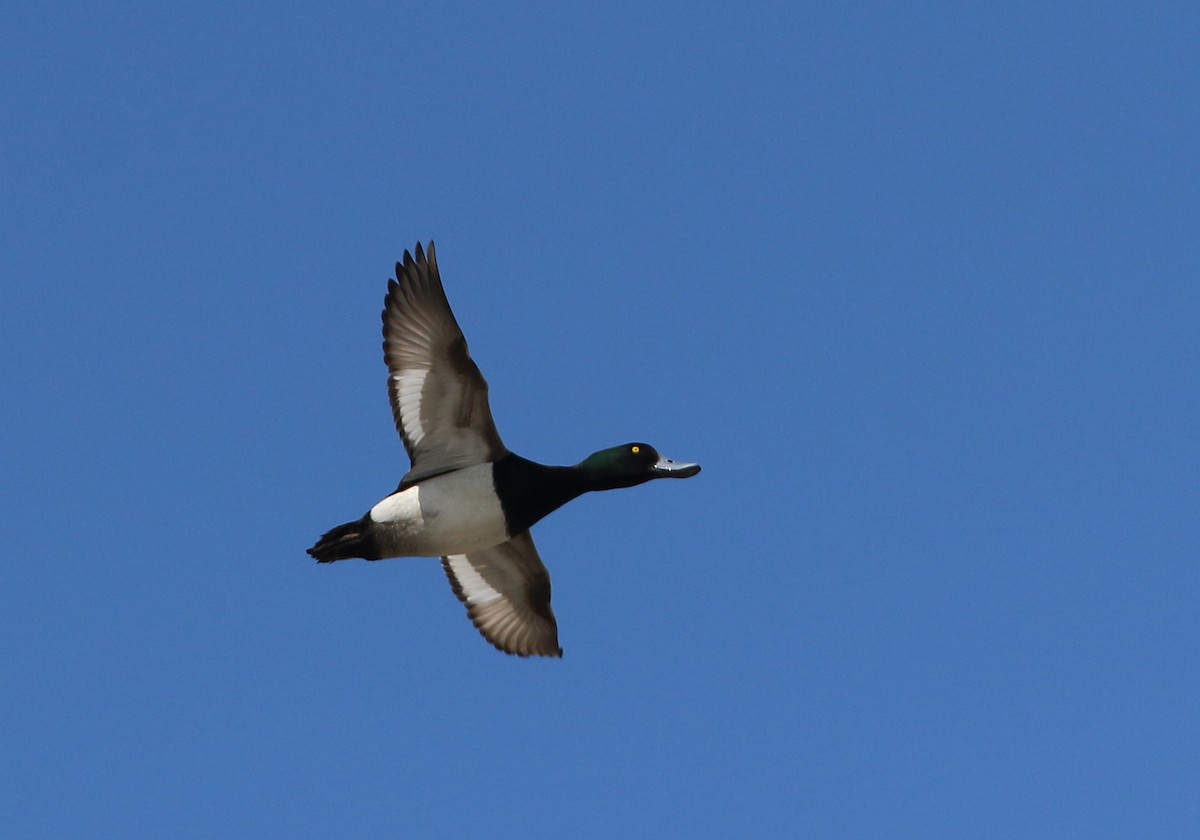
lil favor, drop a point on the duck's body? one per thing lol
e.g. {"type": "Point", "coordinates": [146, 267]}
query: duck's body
{"type": "Point", "coordinates": [457, 512]}
{"type": "Point", "coordinates": [452, 513]}
{"type": "Point", "coordinates": [467, 499]}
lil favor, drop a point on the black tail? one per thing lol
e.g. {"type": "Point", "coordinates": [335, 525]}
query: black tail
{"type": "Point", "coordinates": [345, 541]}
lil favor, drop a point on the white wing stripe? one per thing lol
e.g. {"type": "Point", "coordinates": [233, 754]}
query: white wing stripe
{"type": "Point", "coordinates": [475, 589]}
{"type": "Point", "coordinates": [408, 393]}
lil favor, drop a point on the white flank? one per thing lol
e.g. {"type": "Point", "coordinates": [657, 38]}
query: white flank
{"type": "Point", "coordinates": [455, 513]}
{"type": "Point", "coordinates": [403, 507]}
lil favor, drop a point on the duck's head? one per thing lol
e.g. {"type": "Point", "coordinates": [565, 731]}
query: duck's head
{"type": "Point", "coordinates": [630, 464]}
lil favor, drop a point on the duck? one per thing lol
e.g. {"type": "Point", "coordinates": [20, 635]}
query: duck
{"type": "Point", "coordinates": [466, 497]}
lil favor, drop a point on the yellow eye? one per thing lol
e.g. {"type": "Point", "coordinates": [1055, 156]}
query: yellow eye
{"type": "Point", "coordinates": [635, 450]}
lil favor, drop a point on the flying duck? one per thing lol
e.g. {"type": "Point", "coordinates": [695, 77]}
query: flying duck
{"type": "Point", "coordinates": [467, 498]}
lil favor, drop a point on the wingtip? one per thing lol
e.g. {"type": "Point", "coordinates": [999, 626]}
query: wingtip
{"type": "Point", "coordinates": [529, 653]}
{"type": "Point", "coordinates": [417, 257]}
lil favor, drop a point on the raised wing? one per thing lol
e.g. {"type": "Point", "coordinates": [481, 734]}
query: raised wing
{"type": "Point", "coordinates": [439, 397]}
{"type": "Point", "coordinates": [507, 592]}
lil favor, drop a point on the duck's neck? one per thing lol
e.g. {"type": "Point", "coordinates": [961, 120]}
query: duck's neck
{"type": "Point", "coordinates": [529, 490]}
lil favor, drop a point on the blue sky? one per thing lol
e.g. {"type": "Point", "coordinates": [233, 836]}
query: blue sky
{"type": "Point", "coordinates": [916, 283]}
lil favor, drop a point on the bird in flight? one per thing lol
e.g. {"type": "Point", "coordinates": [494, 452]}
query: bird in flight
{"type": "Point", "coordinates": [467, 498]}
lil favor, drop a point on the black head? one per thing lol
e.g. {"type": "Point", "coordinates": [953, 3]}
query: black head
{"type": "Point", "coordinates": [630, 464]}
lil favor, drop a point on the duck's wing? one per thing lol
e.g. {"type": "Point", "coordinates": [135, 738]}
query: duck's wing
{"type": "Point", "coordinates": [439, 397]}
{"type": "Point", "coordinates": [506, 589]}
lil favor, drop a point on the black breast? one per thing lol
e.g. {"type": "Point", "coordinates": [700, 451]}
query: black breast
{"type": "Point", "coordinates": [528, 490]}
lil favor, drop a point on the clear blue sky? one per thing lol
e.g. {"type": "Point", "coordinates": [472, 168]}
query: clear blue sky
{"type": "Point", "coordinates": [916, 283]}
